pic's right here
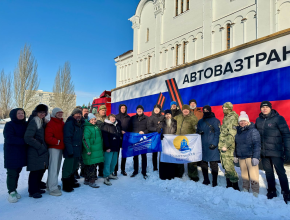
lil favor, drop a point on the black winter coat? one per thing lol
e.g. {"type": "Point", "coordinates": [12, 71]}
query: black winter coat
{"type": "Point", "coordinates": [15, 148]}
{"type": "Point", "coordinates": [171, 129]}
{"type": "Point", "coordinates": [73, 137]}
{"type": "Point", "coordinates": [275, 135]}
{"type": "Point", "coordinates": [152, 122]}
{"type": "Point", "coordinates": [112, 136]}
{"type": "Point", "coordinates": [138, 123]}
{"type": "Point", "coordinates": [175, 112]}
{"type": "Point", "coordinates": [248, 142]}
{"type": "Point", "coordinates": [210, 136]}
{"type": "Point", "coordinates": [37, 153]}
{"type": "Point", "coordinates": [123, 119]}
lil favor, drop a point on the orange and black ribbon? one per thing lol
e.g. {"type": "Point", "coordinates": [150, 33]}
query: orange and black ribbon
{"type": "Point", "coordinates": [174, 92]}
{"type": "Point", "coordinates": [161, 100]}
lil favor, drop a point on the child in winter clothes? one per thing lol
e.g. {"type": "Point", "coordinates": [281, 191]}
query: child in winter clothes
{"type": "Point", "coordinates": [112, 143]}
{"type": "Point", "coordinates": [92, 150]}
{"type": "Point", "coordinates": [248, 149]}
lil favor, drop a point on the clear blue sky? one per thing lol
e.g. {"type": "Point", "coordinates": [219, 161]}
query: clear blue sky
{"type": "Point", "coordinates": [89, 34]}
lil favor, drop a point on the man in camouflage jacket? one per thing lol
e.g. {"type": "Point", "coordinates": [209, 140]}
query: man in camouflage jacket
{"type": "Point", "coordinates": [187, 124]}
{"type": "Point", "coordinates": [227, 144]}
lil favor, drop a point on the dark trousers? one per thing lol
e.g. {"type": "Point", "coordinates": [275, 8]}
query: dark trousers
{"type": "Point", "coordinates": [123, 163]}
{"type": "Point", "coordinates": [34, 180]}
{"type": "Point", "coordinates": [278, 163]}
{"type": "Point", "coordinates": [12, 179]}
{"type": "Point", "coordinates": [69, 166]}
{"type": "Point", "coordinates": [192, 171]}
{"type": "Point", "coordinates": [154, 160]}
{"type": "Point", "coordinates": [101, 169]}
{"type": "Point", "coordinates": [144, 163]}
{"type": "Point", "coordinates": [213, 166]}
{"type": "Point", "coordinates": [90, 172]}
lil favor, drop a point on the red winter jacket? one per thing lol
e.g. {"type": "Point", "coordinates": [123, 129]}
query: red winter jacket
{"type": "Point", "coordinates": [54, 132]}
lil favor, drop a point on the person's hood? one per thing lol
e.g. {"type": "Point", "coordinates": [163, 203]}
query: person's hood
{"type": "Point", "coordinates": [111, 123]}
{"type": "Point", "coordinates": [208, 115]}
{"type": "Point", "coordinates": [270, 115]}
{"type": "Point", "coordinates": [13, 115]}
{"type": "Point", "coordinates": [71, 118]}
{"type": "Point", "coordinates": [249, 127]}
{"type": "Point", "coordinates": [120, 109]}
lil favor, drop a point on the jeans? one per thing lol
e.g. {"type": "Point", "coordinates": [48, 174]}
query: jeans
{"type": "Point", "coordinates": [110, 162]}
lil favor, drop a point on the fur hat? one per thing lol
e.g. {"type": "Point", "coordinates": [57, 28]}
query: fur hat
{"type": "Point", "coordinates": [228, 105]}
{"type": "Point", "coordinates": [54, 111]}
{"type": "Point", "coordinates": [192, 100]}
{"type": "Point", "coordinates": [186, 107]}
{"type": "Point", "coordinates": [41, 108]}
{"type": "Point", "coordinates": [102, 107]}
{"type": "Point", "coordinates": [90, 116]}
{"type": "Point", "coordinates": [140, 106]}
{"type": "Point", "coordinates": [266, 103]}
{"type": "Point", "coordinates": [76, 111]}
{"type": "Point", "coordinates": [244, 117]}
{"type": "Point", "coordinates": [167, 111]}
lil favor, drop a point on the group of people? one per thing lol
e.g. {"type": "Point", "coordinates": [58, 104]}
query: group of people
{"type": "Point", "coordinates": [93, 142]}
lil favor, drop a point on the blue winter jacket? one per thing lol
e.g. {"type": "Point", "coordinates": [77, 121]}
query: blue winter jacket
{"type": "Point", "coordinates": [209, 137]}
{"type": "Point", "coordinates": [15, 148]}
{"type": "Point", "coordinates": [248, 142]}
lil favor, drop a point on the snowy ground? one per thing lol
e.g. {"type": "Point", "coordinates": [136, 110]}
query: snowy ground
{"type": "Point", "coordinates": [136, 198]}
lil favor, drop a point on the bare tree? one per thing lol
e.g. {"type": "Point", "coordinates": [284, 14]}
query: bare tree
{"type": "Point", "coordinates": [5, 94]}
{"type": "Point", "coordinates": [63, 90]}
{"type": "Point", "coordinates": [26, 80]}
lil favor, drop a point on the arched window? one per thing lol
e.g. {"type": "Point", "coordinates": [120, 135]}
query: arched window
{"type": "Point", "coordinates": [177, 48]}
{"type": "Point", "coordinates": [187, 5]}
{"type": "Point", "coordinates": [228, 36]}
{"type": "Point", "coordinates": [181, 6]}
{"type": "Point", "coordinates": [149, 64]}
{"type": "Point", "coordinates": [147, 37]}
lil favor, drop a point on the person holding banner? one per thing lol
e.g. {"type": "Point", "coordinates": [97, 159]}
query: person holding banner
{"type": "Point", "coordinates": [186, 124]}
{"type": "Point", "coordinates": [169, 126]}
{"type": "Point", "coordinates": [227, 145]}
{"type": "Point", "coordinates": [138, 124]}
{"type": "Point", "coordinates": [209, 129]}
{"type": "Point", "coordinates": [154, 124]}
{"type": "Point", "coordinates": [111, 131]}
{"type": "Point", "coordinates": [123, 119]}
{"type": "Point", "coordinates": [174, 109]}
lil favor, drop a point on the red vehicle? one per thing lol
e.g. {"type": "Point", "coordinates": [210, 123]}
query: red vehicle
{"type": "Point", "coordinates": [104, 99]}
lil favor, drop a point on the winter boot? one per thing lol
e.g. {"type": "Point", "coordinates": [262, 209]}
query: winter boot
{"type": "Point", "coordinates": [115, 173]}
{"type": "Point", "coordinates": [255, 194]}
{"type": "Point", "coordinates": [214, 179]}
{"type": "Point", "coordinates": [76, 175]}
{"type": "Point", "coordinates": [56, 192]}
{"type": "Point", "coordinates": [134, 174]}
{"type": "Point", "coordinates": [18, 196]}
{"type": "Point", "coordinates": [271, 194]}
{"type": "Point", "coordinates": [245, 190]}
{"type": "Point", "coordinates": [286, 197]}
{"type": "Point", "coordinates": [205, 176]}
{"type": "Point", "coordinates": [107, 181]}
{"type": "Point", "coordinates": [86, 182]}
{"type": "Point", "coordinates": [41, 191]}
{"type": "Point", "coordinates": [236, 186]}
{"type": "Point", "coordinates": [229, 183]}
{"type": "Point", "coordinates": [93, 184]}
{"type": "Point", "coordinates": [113, 177]}
{"type": "Point", "coordinates": [35, 195]}
{"type": "Point", "coordinates": [123, 172]}
{"type": "Point", "coordinates": [12, 198]}
{"type": "Point", "coordinates": [66, 185]}
{"type": "Point", "coordinates": [73, 183]}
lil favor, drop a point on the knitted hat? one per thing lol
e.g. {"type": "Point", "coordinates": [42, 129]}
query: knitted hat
{"type": "Point", "coordinates": [90, 116]}
{"type": "Point", "coordinates": [186, 107]}
{"type": "Point", "coordinates": [228, 105]}
{"type": "Point", "coordinates": [102, 107]}
{"type": "Point", "coordinates": [140, 106]}
{"type": "Point", "coordinates": [192, 100]}
{"type": "Point", "coordinates": [266, 103]}
{"type": "Point", "coordinates": [157, 106]}
{"type": "Point", "coordinates": [244, 117]}
{"type": "Point", "coordinates": [54, 111]}
{"type": "Point", "coordinates": [76, 111]}
{"type": "Point", "coordinates": [207, 107]}
{"type": "Point", "coordinates": [173, 103]}
{"type": "Point", "coordinates": [167, 111]}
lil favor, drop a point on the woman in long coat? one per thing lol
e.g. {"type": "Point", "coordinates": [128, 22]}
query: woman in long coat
{"type": "Point", "coordinates": [37, 155]}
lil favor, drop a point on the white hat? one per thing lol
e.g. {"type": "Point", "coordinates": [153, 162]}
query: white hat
{"type": "Point", "coordinates": [244, 117]}
{"type": "Point", "coordinates": [90, 116]}
{"type": "Point", "coordinates": [54, 111]}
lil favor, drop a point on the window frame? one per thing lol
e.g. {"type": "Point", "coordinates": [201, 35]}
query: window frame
{"type": "Point", "coordinates": [228, 36]}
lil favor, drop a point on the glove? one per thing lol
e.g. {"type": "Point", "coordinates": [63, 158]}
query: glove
{"type": "Point", "coordinates": [255, 161]}
{"type": "Point", "coordinates": [162, 136]}
{"type": "Point", "coordinates": [236, 160]}
{"type": "Point", "coordinates": [158, 130]}
{"type": "Point", "coordinates": [200, 132]}
{"type": "Point", "coordinates": [212, 147]}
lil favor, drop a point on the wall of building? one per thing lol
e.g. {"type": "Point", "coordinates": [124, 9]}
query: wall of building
{"type": "Point", "coordinates": [195, 32]}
